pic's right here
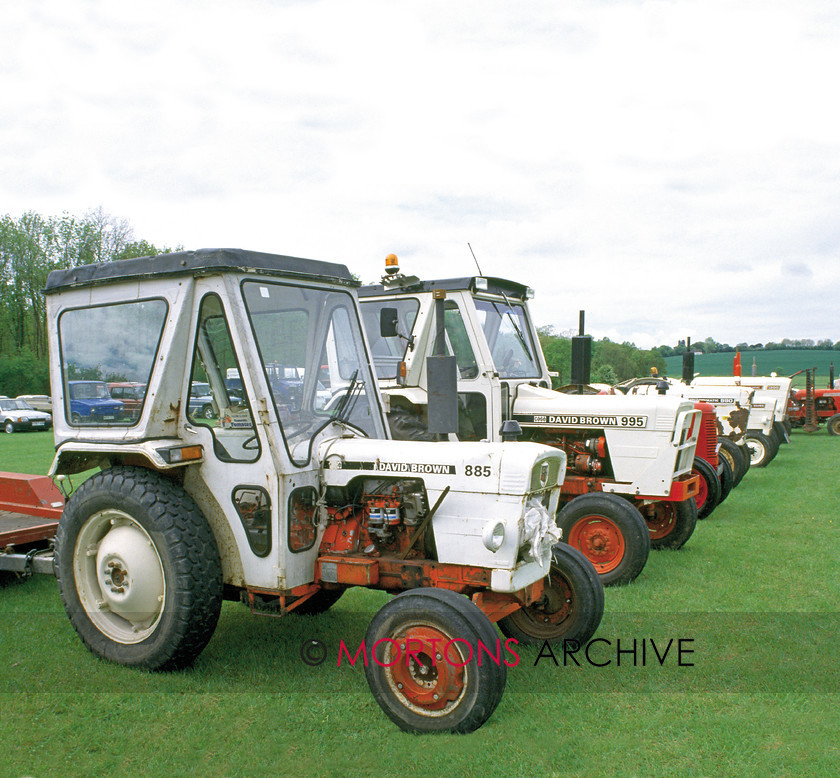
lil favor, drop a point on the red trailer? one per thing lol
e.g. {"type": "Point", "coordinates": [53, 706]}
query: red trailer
{"type": "Point", "coordinates": [30, 506]}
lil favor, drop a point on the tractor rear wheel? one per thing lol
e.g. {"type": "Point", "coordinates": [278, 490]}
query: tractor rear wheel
{"type": "Point", "coordinates": [671, 523]}
{"type": "Point", "coordinates": [426, 668]}
{"type": "Point", "coordinates": [833, 424]}
{"type": "Point", "coordinates": [610, 533]}
{"type": "Point", "coordinates": [762, 449]}
{"type": "Point", "coordinates": [138, 569]}
{"type": "Point", "coordinates": [571, 608]}
{"type": "Point", "coordinates": [708, 497]}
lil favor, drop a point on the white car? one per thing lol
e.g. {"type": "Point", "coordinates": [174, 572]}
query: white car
{"type": "Point", "coordinates": [16, 415]}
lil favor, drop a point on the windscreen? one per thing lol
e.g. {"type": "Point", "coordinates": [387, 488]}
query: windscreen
{"type": "Point", "coordinates": [507, 330]}
{"type": "Point", "coordinates": [312, 350]}
{"type": "Point", "coordinates": [388, 352]}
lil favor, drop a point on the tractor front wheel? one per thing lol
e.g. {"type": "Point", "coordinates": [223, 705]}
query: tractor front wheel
{"type": "Point", "coordinates": [708, 497]}
{"type": "Point", "coordinates": [833, 424]}
{"type": "Point", "coordinates": [738, 457]}
{"type": "Point", "coordinates": [570, 609]}
{"type": "Point", "coordinates": [761, 448]}
{"type": "Point", "coordinates": [429, 667]}
{"type": "Point", "coordinates": [609, 532]}
{"type": "Point", "coordinates": [727, 479]}
{"type": "Point", "coordinates": [671, 523]}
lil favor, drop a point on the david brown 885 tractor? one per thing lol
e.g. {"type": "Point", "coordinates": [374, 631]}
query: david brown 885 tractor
{"type": "Point", "coordinates": [629, 483]}
{"type": "Point", "coordinates": [286, 505]}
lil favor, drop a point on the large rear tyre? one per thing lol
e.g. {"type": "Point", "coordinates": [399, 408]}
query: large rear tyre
{"type": "Point", "coordinates": [761, 448]}
{"type": "Point", "coordinates": [609, 532]}
{"type": "Point", "coordinates": [708, 497]}
{"type": "Point", "coordinates": [138, 569]}
{"type": "Point", "coordinates": [424, 669]}
{"type": "Point", "coordinates": [571, 608]}
{"type": "Point", "coordinates": [406, 425]}
{"type": "Point", "coordinates": [671, 523]}
{"type": "Point", "coordinates": [833, 424]}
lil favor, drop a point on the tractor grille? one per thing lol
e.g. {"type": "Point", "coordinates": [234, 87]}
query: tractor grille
{"type": "Point", "coordinates": [708, 434]}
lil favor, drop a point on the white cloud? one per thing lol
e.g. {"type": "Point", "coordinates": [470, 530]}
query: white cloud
{"type": "Point", "coordinates": [671, 167]}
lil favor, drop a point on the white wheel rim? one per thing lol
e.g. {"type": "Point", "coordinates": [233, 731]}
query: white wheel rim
{"type": "Point", "coordinates": [119, 577]}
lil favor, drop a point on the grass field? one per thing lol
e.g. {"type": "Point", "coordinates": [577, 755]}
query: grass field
{"type": "Point", "coordinates": [783, 362]}
{"type": "Point", "coordinates": [754, 596]}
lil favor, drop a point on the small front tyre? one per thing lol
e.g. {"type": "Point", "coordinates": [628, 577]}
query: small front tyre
{"type": "Point", "coordinates": [761, 448]}
{"type": "Point", "coordinates": [609, 532]}
{"type": "Point", "coordinates": [671, 523]}
{"type": "Point", "coordinates": [138, 569]}
{"type": "Point", "coordinates": [424, 668]}
{"type": "Point", "coordinates": [708, 497]}
{"type": "Point", "coordinates": [570, 609]}
{"type": "Point", "coordinates": [832, 425]}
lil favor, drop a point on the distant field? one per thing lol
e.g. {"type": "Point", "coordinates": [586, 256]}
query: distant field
{"type": "Point", "coordinates": [783, 362]}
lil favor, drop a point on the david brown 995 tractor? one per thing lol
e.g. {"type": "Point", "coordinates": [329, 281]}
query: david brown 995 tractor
{"type": "Point", "coordinates": [629, 483]}
{"type": "Point", "coordinates": [286, 505]}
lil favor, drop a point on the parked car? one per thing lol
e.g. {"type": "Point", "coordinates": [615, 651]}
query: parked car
{"type": "Point", "coordinates": [201, 402]}
{"type": "Point", "coordinates": [131, 395]}
{"type": "Point", "coordinates": [17, 415]}
{"type": "Point", "coordinates": [91, 403]}
{"type": "Point", "coordinates": [40, 402]}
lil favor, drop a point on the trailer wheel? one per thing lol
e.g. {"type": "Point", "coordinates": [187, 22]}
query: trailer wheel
{"type": "Point", "coordinates": [737, 457]}
{"type": "Point", "coordinates": [708, 497]}
{"type": "Point", "coordinates": [727, 479]}
{"type": "Point", "coordinates": [833, 424]}
{"type": "Point", "coordinates": [761, 448]}
{"type": "Point", "coordinates": [427, 668]}
{"type": "Point", "coordinates": [610, 533]}
{"type": "Point", "coordinates": [571, 608]}
{"type": "Point", "coordinates": [138, 569]}
{"type": "Point", "coordinates": [671, 523]}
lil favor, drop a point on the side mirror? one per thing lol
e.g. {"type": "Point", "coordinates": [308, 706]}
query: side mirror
{"type": "Point", "coordinates": [388, 322]}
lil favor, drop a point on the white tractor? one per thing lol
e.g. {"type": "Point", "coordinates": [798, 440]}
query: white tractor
{"type": "Point", "coordinates": [745, 415]}
{"type": "Point", "coordinates": [629, 484]}
{"type": "Point", "coordinates": [284, 499]}
{"type": "Point", "coordinates": [772, 387]}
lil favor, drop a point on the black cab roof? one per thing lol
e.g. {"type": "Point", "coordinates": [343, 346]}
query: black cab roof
{"type": "Point", "coordinates": [198, 263]}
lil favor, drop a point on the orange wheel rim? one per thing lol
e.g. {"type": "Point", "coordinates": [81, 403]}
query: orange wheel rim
{"type": "Point", "coordinates": [600, 541]}
{"type": "Point", "coordinates": [424, 667]}
{"type": "Point", "coordinates": [662, 520]}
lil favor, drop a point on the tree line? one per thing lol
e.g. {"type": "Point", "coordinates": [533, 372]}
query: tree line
{"type": "Point", "coordinates": [711, 346]}
{"type": "Point", "coordinates": [31, 246]}
{"type": "Point", "coordinates": [611, 362]}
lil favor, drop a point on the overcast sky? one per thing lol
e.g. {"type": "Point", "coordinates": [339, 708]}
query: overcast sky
{"type": "Point", "coordinates": [670, 167]}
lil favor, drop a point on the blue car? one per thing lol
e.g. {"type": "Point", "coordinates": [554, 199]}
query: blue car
{"type": "Point", "coordinates": [91, 403]}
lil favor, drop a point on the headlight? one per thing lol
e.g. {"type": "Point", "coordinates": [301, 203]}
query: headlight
{"type": "Point", "coordinates": [493, 535]}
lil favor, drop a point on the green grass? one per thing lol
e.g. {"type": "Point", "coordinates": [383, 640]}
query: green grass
{"type": "Point", "coordinates": [756, 590]}
{"type": "Point", "coordinates": [783, 362]}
